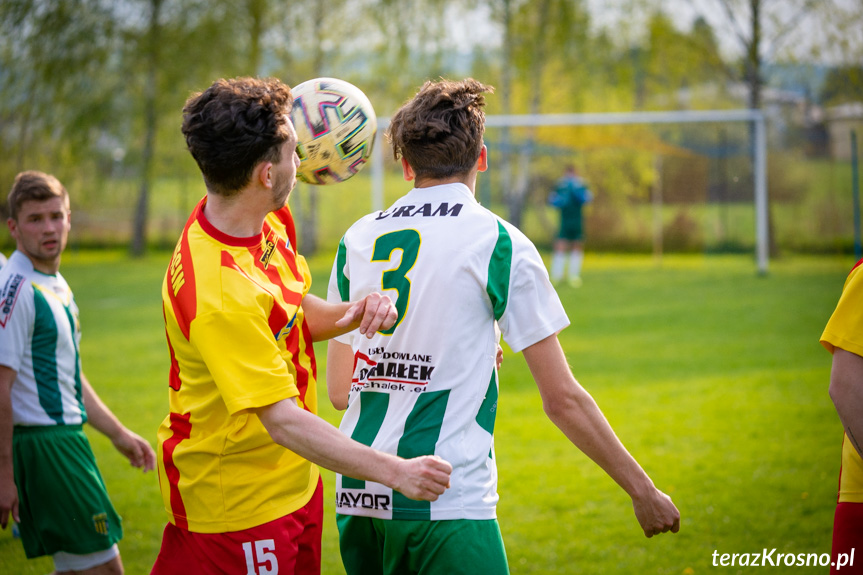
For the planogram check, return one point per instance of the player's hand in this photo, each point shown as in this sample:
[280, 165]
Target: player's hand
[136, 449]
[8, 502]
[499, 358]
[423, 478]
[375, 312]
[656, 513]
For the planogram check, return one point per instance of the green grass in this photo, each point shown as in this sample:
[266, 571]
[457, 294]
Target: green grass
[711, 375]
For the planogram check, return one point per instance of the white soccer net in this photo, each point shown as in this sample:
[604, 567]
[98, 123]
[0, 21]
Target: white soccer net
[681, 181]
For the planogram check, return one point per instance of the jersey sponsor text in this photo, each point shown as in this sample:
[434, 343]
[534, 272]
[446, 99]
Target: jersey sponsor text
[8, 295]
[425, 210]
[354, 498]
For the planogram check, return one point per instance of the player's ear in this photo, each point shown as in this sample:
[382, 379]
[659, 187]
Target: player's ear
[263, 173]
[407, 170]
[482, 162]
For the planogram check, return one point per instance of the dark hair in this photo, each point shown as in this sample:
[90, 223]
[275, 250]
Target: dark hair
[439, 131]
[233, 126]
[33, 186]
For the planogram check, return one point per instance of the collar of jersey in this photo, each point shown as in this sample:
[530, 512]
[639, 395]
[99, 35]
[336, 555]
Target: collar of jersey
[456, 187]
[210, 230]
[19, 259]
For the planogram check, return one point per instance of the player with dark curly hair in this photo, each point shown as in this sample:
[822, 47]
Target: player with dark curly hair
[238, 448]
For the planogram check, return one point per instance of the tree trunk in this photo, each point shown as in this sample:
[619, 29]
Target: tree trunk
[506, 104]
[518, 195]
[755, 82]
[142, 206]
[257, 12]
[308, 212]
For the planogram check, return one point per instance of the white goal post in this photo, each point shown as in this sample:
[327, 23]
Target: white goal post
[756, 117]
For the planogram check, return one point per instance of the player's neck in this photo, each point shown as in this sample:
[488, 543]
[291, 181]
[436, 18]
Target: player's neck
[49, 266]
[469, 181]
[235, 216]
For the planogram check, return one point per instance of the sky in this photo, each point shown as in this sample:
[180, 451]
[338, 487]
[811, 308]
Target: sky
[625, 19]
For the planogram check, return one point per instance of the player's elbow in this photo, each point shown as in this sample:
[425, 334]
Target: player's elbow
[338, 399]
[563, 406]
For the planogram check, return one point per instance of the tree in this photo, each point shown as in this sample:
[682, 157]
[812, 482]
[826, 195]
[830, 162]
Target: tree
[843, 84]
[53, 56]
[543, 45]
[153, 56]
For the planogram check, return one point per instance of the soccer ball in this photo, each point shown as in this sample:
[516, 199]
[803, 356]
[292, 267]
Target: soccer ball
[336, 126]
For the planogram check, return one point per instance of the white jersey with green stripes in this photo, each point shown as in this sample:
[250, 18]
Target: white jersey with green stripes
[39, 338]
[457, 273]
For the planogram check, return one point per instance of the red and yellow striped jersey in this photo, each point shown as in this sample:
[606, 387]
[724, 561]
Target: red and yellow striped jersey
[845, 330]
[238, 341]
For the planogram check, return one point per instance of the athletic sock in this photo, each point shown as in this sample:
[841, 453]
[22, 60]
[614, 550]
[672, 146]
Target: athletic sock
[558, 261]
[575, 260]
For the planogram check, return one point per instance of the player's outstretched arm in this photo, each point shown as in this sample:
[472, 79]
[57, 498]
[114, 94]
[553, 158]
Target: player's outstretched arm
[846, 391]
[572, 409]
[327, 320]
[422, 478]
[134, 447]
[8, 491]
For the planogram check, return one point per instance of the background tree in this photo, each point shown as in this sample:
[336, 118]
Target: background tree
[152, 56]
[54, 62]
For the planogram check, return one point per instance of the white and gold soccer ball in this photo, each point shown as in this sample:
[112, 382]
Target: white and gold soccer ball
[336, 126]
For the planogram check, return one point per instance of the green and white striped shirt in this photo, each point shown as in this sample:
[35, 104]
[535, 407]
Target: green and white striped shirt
[428, 385]
[39, 338]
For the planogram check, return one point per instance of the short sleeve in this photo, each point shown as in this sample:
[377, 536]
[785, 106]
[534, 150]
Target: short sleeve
[845, 327]
[339, 288]
[16, 319]
[533, 309]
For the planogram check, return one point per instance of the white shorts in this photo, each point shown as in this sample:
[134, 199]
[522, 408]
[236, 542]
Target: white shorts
[70, 562]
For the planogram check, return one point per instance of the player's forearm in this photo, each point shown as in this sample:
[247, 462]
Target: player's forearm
[8, 492]
[572, 409]
[314, 439]
[321, 317]
[846, 391]
[7, 467]
[580, 419]
[98, 414]
[6, 430]
[7, 378]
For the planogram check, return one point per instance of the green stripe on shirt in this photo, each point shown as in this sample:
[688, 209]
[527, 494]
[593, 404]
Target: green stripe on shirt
[343, 281]
[498, 272]
[374, 409]
[422, 431]
[44, 351]
[79, 391]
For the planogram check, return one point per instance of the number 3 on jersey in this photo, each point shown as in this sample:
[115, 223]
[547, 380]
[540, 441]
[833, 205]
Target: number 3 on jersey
[408, 241]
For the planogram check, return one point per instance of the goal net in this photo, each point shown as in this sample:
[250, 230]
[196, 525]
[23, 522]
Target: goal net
[661, 181]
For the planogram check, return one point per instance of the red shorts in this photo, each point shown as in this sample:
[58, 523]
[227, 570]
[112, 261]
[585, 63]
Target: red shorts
[289, 545]
[847, 539]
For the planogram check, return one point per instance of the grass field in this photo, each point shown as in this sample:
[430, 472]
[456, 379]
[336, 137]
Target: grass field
[711, 375]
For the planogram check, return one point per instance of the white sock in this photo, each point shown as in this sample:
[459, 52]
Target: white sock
[558, 260]
[575, 260]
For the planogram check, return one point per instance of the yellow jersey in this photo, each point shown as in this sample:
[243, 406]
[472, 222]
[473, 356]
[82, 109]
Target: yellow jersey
[238, 341]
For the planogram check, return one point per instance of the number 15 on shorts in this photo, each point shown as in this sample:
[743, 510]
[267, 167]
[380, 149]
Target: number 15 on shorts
[260, 559]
